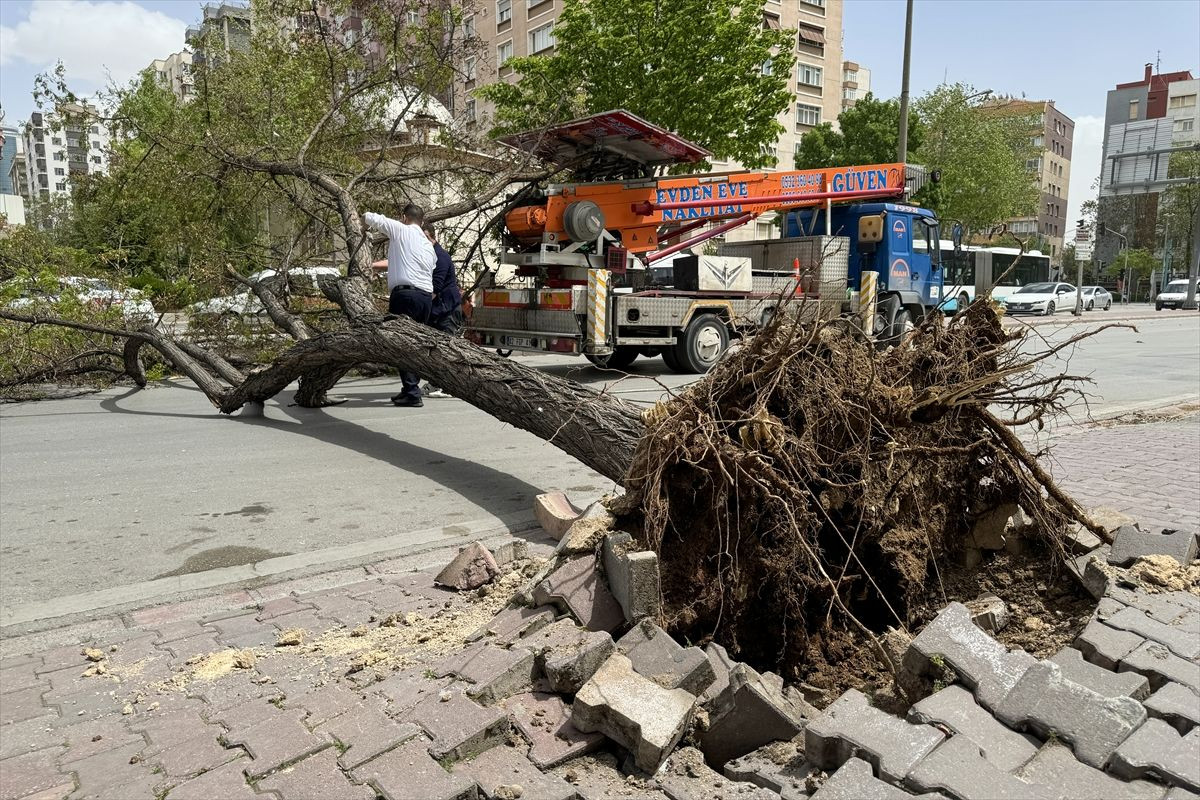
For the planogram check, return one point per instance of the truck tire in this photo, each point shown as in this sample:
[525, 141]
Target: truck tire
[900, 324]
[702, 343]
[964, 300]
[619, 358]
[669, 358]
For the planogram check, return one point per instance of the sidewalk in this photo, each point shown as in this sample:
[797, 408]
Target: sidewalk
[183, 701]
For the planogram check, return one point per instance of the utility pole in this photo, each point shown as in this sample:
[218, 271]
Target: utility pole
[1078, 276]
[1193, 268]
[902, 147]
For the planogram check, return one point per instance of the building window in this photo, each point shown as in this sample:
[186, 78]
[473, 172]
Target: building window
[61, 186]
[96, 129]
[470, 111]
[469, 69]
[770, 22]
[817, 3]
[59, 171]
[95, 144]
[56, 140]
[469, 27]
[1038, 141]
[1182, 101]
[808, 115]
[808, 75]
[1133, 109]
[541, 38]
[1185, 124]
[504, 51]
[95, 159]
[848, 94]
[503, 11]
[811, 35]
[768, 68]
[59, 155]
[413, 16]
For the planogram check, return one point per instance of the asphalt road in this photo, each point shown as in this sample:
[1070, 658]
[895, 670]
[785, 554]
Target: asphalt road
[124, 487]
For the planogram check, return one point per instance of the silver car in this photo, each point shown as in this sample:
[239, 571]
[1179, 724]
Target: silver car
[1096, 297]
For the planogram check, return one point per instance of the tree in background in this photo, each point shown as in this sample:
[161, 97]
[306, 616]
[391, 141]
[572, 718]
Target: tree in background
[869, 135]
[1180, 205]
[705, 69]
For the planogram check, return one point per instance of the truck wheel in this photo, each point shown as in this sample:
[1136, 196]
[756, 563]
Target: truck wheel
[668, 357]
[619, 358]
[901, 324]
[702, 343]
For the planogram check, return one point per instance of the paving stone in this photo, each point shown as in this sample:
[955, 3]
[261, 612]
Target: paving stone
[409, 772]
[60, 792]
[281, 606]
[405, 690]
[958, 767]
[494, 671]
[955, 709]
[1104, 645]
[685, 776]
[597, 777]
[567, 654]
[20, 738]
[22, 676]
[1047, 702]
[1102, 681]
[779, 766]
[511, 624]
[180, 629]
[719, 660]
[633, 577]
[748, 714]
[459, 727]
[1157, 749]
[276, 742]
[1182, 641]
[323, 703]
[198, 753]
[1130, 544]
[982, 663]
[23, 704]
[306, 621]
[506, 766]
[365, 732]
[58, 658]
[1166, 607]
[236, 692]
[171, 728]
[577, 585]
[1160, 665]
[555, 513]
[851, 726]
[545, 722]
[117, 774]
[345, 610]
[245, 630]
[193, 646]
[91, 703]
[1176, 704]
[1057, 769]
[511, 550]
[226, 782]
[989, 612]
[854, 780]
[633, 711]
[660, 658]
[315, 777]
[32, 772]
[87, 739]
[471, 568]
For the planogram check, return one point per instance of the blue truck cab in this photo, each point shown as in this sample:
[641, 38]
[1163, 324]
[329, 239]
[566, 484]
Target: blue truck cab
[899, 242]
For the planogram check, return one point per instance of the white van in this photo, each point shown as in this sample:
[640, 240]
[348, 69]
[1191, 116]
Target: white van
[1172, 295]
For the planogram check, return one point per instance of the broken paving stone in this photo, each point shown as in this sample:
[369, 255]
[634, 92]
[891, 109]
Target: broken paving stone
[633, 711]
[1046, 702]
[290, 637]
[721, 663]
[513, 623]
[958, 767]
[855, 780]
[1100, 680]
[1160, 665]
[505, 772]
[749, 713]
[660, 658]
[459, 727]
[1157, 749]
[982, 663]
[851, 726]
[988, 531]
[545, 721]
[989, 612]
[494, 671]
[1130, 544]
[471, 568]
[1181, 640]
[1176, 704]
[577, 585]
[955, 709]
[685, 776]
[555, 513]
[569, 655]
[1105, 646]
[778, 766]
[632, 576]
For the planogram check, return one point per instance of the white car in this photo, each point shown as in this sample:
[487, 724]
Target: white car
[247, 303]
[1096, 297]
[96, 293]
[1173, 295]
[1040, 298]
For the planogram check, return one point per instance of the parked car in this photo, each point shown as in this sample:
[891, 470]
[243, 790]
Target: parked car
[1096, 297]
[94, 292]
[1173, 295]
[1040, 298]
[247, 304]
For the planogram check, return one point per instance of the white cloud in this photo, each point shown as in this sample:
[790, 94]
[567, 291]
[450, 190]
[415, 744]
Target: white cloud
[94, 40]
[1087, 147]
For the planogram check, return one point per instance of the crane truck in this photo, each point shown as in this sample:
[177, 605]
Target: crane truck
[601, 267]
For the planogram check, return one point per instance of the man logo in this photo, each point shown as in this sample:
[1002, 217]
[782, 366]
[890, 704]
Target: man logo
[898, 227]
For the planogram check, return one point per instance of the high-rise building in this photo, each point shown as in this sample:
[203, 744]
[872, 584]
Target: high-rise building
[175, 73]
[9, 137]
[514, 28]
[224, 28]
[1143, 121]
[1052, 136]
[856, 83]
[59, 147]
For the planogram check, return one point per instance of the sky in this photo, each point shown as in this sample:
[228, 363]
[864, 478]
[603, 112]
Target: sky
[1068, 51]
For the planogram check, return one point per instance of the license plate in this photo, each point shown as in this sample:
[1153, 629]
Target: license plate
[517, 341]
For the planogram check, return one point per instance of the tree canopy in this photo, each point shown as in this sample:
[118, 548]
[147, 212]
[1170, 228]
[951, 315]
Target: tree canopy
[869, 134]
[707, 69]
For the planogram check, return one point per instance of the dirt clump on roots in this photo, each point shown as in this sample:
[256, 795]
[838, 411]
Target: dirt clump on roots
[813, 491]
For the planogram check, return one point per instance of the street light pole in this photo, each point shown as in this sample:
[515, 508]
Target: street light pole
[902, 146]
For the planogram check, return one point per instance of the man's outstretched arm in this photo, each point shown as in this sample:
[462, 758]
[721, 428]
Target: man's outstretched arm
[385, 225]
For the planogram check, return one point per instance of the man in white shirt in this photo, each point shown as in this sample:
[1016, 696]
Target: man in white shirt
[411, 260]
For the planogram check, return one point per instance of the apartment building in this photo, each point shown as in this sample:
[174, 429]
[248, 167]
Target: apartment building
[856, 83]
[224, 28]
[175, 73]
[9, 138]
[1051, 171]
[60, 147]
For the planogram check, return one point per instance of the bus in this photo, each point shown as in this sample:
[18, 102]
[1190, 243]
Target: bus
[960, 270]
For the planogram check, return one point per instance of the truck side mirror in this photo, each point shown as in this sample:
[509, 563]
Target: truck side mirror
[870, 229]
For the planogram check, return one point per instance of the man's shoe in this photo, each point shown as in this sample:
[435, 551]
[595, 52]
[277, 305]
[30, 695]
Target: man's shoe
[407, 402]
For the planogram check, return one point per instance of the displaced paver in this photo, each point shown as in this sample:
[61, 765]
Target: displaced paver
[1103, 681]
[1047, 702]
[494, 672]
[406, 689]
[1157, 749]
[471, 568]
[409, 772]
[1130, 544]
[365, 732]
[512, 624]
[569, 655]
[1104, 645]
[633, 577]
[1176, 704]
[632, 710]
[458, 725]
[555, 513]
[957, 767]
[1161, 666]
[778, 766]
[854, 780]
[276, 742]
[1183, 641]
[1067, 777]
[749, 713]
[955, 708]
[989, 612]
[982, 663]
[596, 777]
[545, 721]
[660, 658]
[851, 726]
[502, 766]
[685, 776]
[577, 585]
[719, 660]
[316, 776]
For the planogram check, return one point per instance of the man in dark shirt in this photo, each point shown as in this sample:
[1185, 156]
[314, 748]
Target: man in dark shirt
[446, 315]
